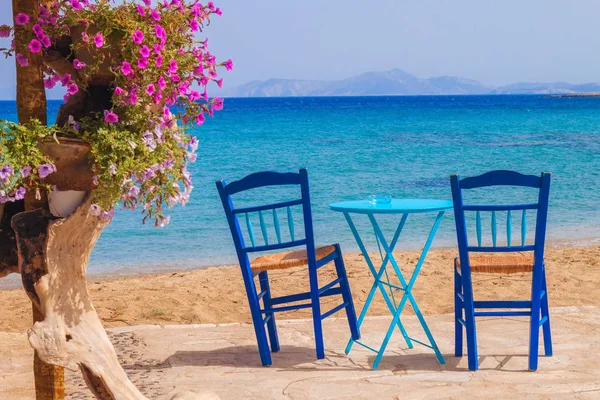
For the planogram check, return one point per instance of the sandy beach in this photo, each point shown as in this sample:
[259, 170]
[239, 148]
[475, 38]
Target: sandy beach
[216, 294]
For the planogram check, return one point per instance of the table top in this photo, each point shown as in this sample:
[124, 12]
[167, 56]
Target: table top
[396, 206]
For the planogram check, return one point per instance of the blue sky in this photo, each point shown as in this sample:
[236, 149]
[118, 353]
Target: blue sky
[496, 42]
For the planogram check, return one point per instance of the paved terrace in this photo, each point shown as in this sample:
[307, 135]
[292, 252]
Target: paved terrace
[224, 359]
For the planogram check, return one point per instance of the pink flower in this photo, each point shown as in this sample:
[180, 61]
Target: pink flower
[126, 69]
[85, 37]
[217, 104]
[158, 98]
[46, 41]
[22, 60]
[142, 63]
[119, 91]
[138, 37]
[110, 117]
[219, 82]
[147, 2]
[133, 98]
[72, 89]
[155, 15]
[141, 10]
[200, 118]
[99, 40]
[20, 193]
[194, 95]
[161, 82]
[159, 61]
[172, 67]
[145, 51]
[160, 32]
[5, 31]
[218, 11]
[65, 79]
[76, 5]
[194, 25]
[38, 30]
[150, 89]
[49, 83]
[228, 65]
[35, 46]
[22, 19]
[78, 64]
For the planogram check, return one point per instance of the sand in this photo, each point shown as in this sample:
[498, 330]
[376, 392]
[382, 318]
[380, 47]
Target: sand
[216, 294]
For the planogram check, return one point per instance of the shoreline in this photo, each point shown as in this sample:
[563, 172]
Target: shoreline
[134, 270]
[216, 294]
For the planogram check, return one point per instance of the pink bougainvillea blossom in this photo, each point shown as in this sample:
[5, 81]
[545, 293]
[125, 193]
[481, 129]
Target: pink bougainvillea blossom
[126, 69]
[110, 117]
[217, 104]
[200, 119]
[141, 10]
[99, 40]
[78, 64]
[35, 46]
[72, 89]
[22, 19]
[159, 61]
[5, 31]
[219, 82]
[65, 79]
[138, 37]
[155, 15]
[150, 89]
[194, 25]
[172, 67]
[118, 91]
[22, 60]
[49, 83]
[142, 63]
[228, 65]
[38, 30]
[145, 51]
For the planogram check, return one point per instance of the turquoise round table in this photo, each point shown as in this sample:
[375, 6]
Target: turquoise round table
[402, 207]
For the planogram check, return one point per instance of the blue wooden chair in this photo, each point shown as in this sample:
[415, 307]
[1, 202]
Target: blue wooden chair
[466, 264]
[310, 256]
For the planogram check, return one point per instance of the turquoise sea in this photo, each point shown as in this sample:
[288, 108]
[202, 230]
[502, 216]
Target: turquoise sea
[357, 146]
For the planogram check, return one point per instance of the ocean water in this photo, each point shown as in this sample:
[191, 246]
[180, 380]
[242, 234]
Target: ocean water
[357, 146]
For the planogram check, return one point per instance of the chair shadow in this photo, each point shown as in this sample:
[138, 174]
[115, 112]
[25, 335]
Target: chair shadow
[428, 362]
[288, 357]
[304, 359]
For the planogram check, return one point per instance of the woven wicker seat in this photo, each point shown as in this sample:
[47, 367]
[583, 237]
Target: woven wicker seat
[500, 264]
[288, 259]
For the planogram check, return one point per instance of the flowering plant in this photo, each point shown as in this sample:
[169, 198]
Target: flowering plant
[136, 77]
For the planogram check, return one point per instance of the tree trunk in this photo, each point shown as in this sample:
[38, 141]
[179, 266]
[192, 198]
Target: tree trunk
[31, 94]
[31, 104]
[53, 256]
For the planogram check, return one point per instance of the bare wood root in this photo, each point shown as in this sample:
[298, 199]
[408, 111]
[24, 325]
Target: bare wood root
[53, 256]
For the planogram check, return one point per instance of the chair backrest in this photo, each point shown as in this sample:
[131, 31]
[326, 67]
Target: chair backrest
[501, 178]
[242, 216]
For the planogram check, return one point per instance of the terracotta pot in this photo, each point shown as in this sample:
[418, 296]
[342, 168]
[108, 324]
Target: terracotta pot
[73, 164]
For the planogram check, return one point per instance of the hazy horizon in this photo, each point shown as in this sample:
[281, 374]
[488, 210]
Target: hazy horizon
[495, 43]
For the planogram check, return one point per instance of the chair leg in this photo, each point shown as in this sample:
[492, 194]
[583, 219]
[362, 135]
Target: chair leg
[458, 307]
[347, 295]
[316, 311]
[271, 325]
[546, 313]
[534, 328]
[470, 330]
[257, 321]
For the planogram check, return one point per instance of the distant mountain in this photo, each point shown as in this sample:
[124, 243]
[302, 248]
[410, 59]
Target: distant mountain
[398, 82]
[547, 88]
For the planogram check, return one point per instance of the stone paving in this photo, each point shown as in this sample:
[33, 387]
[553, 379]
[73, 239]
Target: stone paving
[223, 359]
